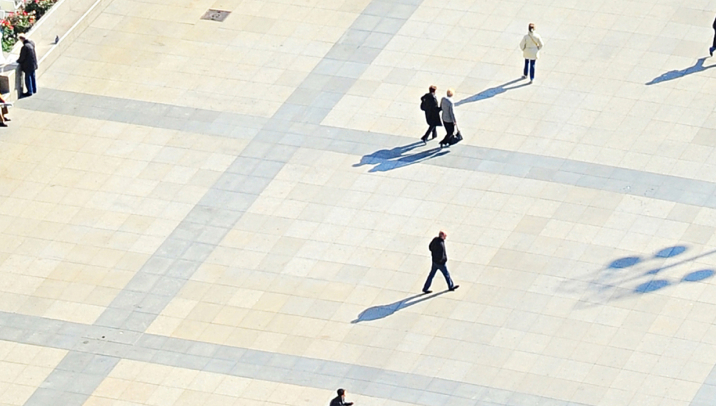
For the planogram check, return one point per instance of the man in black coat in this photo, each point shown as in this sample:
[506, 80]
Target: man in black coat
[713, 44]
[429, 104]
[28, 64]
[437, 250]
[340, 400]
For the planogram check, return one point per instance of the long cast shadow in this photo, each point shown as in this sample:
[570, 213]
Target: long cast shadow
[492, 92]
[382, 311]
[675, 74]
[389, 159]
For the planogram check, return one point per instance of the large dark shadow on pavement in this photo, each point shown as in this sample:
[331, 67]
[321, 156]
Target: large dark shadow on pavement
[493, 91]
[675, 74]
[389, 159]
[382, 311]
[637, 275]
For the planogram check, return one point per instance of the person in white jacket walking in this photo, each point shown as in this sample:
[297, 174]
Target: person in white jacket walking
[530, 46]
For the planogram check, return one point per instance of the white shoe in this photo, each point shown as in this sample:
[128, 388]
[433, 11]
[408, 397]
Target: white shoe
[531, 80]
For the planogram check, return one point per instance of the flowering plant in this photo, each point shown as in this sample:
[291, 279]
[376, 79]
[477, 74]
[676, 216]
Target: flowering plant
[39, 7]
[21, 21]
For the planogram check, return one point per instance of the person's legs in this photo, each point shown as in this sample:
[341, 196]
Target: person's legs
[33, 80]
[28, 83]
[446, 274]
[449, 128]
[435, 132]
[532, 69]
[713, 45]
[429, 281]
[527, 64]
[431, 129]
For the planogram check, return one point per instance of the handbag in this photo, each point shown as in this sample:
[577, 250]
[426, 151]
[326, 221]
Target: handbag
[457, 137]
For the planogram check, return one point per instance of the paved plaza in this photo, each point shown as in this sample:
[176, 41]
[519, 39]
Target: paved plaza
[202, 213]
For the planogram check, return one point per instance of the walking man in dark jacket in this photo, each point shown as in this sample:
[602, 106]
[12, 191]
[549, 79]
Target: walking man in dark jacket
[437, 250]
[340, 400]
[429, 104]
[28, 64]
[713, 44]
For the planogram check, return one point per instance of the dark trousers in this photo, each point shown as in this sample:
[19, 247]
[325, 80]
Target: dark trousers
[31, 82]
[450, 128]
[713, 45]
[431, 129]
[530, 65]
[433, 271]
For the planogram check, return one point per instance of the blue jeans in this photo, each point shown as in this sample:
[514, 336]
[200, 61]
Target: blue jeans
[530, 63]
[31, 82]
[433, 270]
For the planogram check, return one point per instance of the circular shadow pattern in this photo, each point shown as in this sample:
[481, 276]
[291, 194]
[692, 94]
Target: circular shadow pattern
[652, 286]
[670, 251]
[697, 276]
[624, 262]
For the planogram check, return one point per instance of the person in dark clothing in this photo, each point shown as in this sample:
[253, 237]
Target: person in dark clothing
[3, 111]
[439, 256]
[28, 65]
[429, 103]
[340, 400]
[713, 44]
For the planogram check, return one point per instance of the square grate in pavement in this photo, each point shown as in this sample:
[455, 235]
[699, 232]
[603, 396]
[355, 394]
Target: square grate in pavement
[215, 15]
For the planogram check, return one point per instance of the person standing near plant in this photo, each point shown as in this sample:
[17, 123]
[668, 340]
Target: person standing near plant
[530, 46]
[28, 65]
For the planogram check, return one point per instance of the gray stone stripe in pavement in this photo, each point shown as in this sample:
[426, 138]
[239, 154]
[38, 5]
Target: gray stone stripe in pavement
[706, 396]
[94, 351]
[190, 244]
[377, 155]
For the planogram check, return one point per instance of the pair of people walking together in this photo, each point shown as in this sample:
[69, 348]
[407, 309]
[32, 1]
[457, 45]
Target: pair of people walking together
[438, 114]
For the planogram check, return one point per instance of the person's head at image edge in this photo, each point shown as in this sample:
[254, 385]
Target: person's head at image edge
[341, 398]
[433, 89]
[531, 27]
[442, 234]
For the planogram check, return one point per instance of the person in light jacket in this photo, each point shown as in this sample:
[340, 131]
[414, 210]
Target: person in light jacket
[449, 120]
[530, 46]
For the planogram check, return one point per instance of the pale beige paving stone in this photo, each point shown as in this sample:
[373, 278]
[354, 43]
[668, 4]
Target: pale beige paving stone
[89, 239]
[24, 368]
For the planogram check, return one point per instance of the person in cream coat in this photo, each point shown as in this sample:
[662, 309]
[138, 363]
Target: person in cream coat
[530, 46]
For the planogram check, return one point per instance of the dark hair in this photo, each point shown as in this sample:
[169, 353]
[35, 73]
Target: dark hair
[341, 392]
[531, 27]
[433, 88]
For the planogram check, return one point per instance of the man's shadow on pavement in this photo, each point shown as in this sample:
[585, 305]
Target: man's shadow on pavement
[382, 311]
[675, 74]
[388, 159]
[493, 91]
